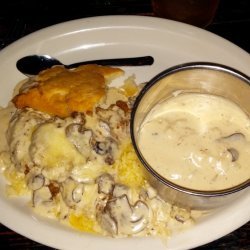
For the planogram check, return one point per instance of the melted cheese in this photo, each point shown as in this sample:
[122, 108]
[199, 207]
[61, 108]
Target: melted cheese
[51, 149]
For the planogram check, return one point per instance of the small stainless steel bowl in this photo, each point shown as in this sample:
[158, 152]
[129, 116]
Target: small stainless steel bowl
[199, 77]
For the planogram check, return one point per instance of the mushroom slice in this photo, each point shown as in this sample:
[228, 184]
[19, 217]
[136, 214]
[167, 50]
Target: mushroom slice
[19, 134]
[101, 148]
[104, 147]
[109, 159]
[234, 137]
[107, 148]
[113, 115]
[41, 196]
[104, 128]
[107, 223]
[139, 217]
[77, 193]
[105, 183]
[72, 192]
[104, 114]
[120, 190]
[80, 137]
[234, 153]
[129, 219]
[116, 118]
[36, 181]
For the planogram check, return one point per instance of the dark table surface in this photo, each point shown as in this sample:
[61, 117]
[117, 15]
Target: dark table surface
[21, 17]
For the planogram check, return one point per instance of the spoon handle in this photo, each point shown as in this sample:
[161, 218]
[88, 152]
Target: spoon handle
[132, 61]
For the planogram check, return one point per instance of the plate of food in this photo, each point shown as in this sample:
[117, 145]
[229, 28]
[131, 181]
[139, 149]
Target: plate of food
[70, 178]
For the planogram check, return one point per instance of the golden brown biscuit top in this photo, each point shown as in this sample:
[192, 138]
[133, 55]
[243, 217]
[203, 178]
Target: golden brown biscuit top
[61, 92]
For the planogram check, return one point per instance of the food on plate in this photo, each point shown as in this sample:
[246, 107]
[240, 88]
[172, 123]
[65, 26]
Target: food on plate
[68, 148]
[202, 151]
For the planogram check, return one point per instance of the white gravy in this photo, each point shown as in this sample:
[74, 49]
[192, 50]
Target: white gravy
[198, 141]
[5, 115]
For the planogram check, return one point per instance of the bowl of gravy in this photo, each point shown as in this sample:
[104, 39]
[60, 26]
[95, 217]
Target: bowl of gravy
[190, 127]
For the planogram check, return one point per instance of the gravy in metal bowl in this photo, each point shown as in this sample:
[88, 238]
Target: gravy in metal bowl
[198, 141]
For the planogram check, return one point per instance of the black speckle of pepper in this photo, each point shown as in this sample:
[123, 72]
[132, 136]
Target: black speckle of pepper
[155, 133]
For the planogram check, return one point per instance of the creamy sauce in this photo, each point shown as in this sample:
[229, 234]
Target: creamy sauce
[198, 141]
[5, 115]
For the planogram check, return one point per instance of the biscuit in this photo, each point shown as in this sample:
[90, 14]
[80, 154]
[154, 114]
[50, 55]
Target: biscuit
[60, 91]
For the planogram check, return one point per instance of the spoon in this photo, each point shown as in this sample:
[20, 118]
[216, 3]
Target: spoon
[33, 64]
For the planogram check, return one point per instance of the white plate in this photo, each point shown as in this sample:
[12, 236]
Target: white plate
[170, 43]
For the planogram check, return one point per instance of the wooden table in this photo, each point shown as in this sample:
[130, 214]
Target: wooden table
[19, 18]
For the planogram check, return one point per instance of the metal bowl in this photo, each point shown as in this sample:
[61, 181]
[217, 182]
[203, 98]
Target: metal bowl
[198, 77]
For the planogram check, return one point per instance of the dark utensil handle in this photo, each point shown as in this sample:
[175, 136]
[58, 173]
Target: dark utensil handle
[132, 61]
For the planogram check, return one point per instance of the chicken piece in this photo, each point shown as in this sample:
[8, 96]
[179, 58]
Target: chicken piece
[61, 92]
